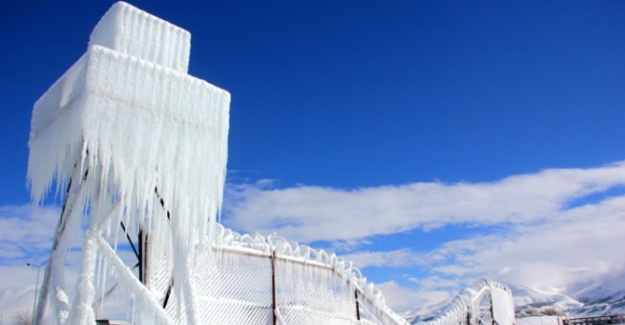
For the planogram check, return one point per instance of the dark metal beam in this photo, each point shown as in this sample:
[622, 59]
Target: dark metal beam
[357, 305]
[273, 287]
[134, 249]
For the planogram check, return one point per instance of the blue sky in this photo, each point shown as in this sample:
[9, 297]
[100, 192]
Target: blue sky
[418, 134]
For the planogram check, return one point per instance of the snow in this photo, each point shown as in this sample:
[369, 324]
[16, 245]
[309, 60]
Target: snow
[526, 298]
[604, 296]
[539, 320]
[610, 285]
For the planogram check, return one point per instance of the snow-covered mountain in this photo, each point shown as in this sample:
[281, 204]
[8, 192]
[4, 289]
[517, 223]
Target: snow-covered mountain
[424, 313]
[599, 297]
[611, 304]
[528, 301]
[600, 289]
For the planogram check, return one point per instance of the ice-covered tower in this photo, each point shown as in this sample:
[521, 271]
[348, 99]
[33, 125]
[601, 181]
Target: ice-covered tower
[136, 144]
[139, 148]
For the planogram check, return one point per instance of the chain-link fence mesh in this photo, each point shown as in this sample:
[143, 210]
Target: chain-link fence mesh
[237, 279]
[256, 280]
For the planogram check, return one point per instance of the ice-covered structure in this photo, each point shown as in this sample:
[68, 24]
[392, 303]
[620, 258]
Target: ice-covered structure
[485, 303]
[140, 143]
[139, 148]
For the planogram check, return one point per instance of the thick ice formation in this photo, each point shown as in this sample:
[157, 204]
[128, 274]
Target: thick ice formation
[135, 136]
[503, 304]
[140, 125]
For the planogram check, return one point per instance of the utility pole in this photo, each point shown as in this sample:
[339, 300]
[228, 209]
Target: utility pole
[36, 285]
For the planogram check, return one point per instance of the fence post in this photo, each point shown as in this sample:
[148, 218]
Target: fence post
[273, 286]
[492, 309]
[357, 304]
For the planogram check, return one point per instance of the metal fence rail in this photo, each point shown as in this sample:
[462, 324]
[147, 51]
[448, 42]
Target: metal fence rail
[596, 320]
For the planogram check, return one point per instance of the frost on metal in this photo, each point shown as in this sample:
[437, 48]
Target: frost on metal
[486, 302]
[138, 149]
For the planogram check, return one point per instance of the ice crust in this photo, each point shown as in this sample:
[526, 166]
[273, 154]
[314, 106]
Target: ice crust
[503, 305]
[131, 31]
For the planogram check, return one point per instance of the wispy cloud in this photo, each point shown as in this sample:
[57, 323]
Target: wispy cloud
[26, 231]
[26, 234]
[406, 301]
[395, 258]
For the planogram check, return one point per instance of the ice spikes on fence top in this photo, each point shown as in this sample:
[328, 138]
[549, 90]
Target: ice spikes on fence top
[129, 30]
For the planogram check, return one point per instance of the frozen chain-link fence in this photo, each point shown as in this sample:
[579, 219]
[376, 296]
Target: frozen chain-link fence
[485, 303]
[252, 280]
[240, 279]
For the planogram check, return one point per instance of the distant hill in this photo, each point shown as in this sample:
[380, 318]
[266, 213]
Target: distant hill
[595, 298]
[529, 301]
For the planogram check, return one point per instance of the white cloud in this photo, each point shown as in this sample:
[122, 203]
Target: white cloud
[406, 301]
[311, 213]
[575, 245]
[395, 258]
[545, 230]
[25, 231]
[435, 283]
[26, 234]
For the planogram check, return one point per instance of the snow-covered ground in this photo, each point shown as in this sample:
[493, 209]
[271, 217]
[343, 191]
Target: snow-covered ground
[601, 297]
[539, 320]
[529, 299]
